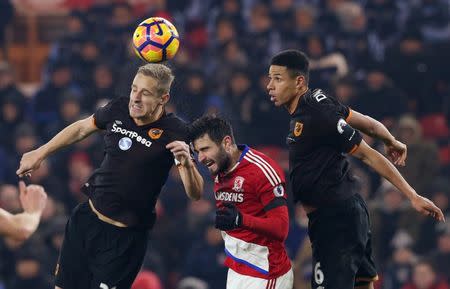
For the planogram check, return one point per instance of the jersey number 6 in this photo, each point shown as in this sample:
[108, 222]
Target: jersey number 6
[318, 274]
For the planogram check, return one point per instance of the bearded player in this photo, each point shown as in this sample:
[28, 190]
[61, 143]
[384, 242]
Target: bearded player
[249, 188]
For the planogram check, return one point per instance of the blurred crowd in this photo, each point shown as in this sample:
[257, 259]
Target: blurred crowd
[387, 59]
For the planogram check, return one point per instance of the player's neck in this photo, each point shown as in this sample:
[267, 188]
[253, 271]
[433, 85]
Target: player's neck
[292, 105]
[235, 156]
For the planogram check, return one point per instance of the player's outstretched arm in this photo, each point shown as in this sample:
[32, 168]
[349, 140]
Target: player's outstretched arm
[396, 151]
[382, 166]
[21, 226]
[191, 178]
[73, 133]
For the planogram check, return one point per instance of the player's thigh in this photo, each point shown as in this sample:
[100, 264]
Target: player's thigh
[367, 272]
[338, 236]
[236, 280]
[333, 272]
[116, 256]
[70, 271]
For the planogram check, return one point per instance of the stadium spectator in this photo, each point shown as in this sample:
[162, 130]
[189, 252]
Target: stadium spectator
[6, 15]
[425, 277]
[423, 159]
[378, 90]
[441, 256]
[391, 217]
[398, 270]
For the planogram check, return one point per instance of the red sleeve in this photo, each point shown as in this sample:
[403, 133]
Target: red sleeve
[274, 226]
[270, 182]
[270, 189]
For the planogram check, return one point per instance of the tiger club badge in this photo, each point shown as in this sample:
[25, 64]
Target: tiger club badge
[155, 133]
[298, 128]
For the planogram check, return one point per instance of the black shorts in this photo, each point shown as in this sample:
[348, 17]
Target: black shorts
[341, 243]
[95, 254]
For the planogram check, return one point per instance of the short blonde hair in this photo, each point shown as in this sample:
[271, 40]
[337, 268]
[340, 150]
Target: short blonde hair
[161, 73]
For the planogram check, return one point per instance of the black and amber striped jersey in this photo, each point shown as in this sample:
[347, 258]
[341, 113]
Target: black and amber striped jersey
[318, 139]
[136, 163]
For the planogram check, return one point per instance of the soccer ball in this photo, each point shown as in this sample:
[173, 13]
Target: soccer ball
[156, 40]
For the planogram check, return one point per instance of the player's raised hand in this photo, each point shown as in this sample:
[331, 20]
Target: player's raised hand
[30, 161]
[396, 152]
[427, 208]
[32, 198]
[181, 152]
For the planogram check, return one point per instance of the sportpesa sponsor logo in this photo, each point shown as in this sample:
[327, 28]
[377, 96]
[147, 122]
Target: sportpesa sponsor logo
[131, 134]
[229, 197]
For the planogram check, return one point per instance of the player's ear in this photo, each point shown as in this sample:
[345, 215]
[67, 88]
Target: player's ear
[227, 142]
[164, 99]
[300, 80]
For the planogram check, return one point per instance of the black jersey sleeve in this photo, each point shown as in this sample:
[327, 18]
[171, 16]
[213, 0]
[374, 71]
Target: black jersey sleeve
[184, 136]
[104, 114]
[180, 130]
[333, 117]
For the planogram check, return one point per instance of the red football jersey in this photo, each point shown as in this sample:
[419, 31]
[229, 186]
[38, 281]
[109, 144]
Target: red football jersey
[251, 185]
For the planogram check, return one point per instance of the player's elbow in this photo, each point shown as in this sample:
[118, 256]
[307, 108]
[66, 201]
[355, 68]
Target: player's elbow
[368, 155]
[360, 154]
[284, 231]
[372, 126]
[85, 127]
[282, 227]
[281, 235]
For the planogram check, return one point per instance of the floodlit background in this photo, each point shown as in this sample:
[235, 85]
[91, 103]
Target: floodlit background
[60, 59]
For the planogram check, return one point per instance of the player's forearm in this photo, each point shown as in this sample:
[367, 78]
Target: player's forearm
[371, 127]
[69, 135]
[386, 169]
[382, 133]
[377, 130]
[192, 181]
[19, 226]
[27, 224]
[274, 226]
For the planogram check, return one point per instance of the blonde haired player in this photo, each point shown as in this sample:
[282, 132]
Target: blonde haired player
[106, 237]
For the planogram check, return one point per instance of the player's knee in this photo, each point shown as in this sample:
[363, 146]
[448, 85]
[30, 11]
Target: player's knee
[56, 287]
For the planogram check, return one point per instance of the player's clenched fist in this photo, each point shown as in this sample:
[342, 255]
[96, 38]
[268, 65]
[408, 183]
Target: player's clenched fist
[228, 218]
[30, 161]
[181, 152]
[32, 197]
